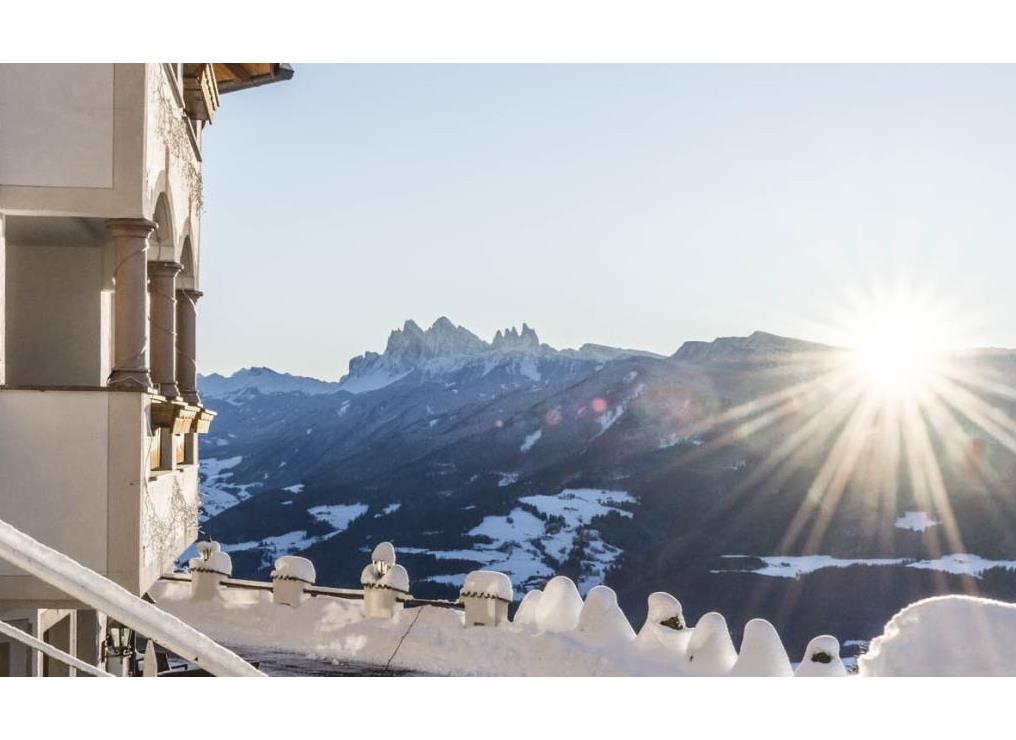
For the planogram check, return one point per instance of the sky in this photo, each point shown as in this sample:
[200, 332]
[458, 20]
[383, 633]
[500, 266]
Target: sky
[635, 206]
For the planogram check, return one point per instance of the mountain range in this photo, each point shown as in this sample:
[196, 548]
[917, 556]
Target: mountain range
[696, 473]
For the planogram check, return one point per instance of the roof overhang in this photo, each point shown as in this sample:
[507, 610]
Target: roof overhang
[230, 77]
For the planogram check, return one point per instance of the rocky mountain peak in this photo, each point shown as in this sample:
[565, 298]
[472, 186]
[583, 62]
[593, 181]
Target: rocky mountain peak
[512, 339]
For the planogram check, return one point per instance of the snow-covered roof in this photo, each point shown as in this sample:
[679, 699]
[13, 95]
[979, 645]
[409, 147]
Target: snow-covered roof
[488, 584]
[293, 567]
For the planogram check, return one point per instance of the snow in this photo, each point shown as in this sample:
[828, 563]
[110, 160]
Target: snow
[655, 635]
[601, 621]
[607, 420]
[762, 652]
[526, 613]
[559, 608]
[963, 564]
[384, 552]
[529, 547]
[283, 544]
[396, 578]
[788, 566]
[507, 479]
[296, 568]
[945, 636]
[217, 493]
[338, 516]
[424, 639]
[531, 439]
[795, 566]
[390, 509]
[710, 649]
[371, 381]
[211, 559]
[295, 488]
[822, 659]
[916, 521]
[488, 583]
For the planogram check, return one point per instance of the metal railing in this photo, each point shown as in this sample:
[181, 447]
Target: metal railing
[50, 650]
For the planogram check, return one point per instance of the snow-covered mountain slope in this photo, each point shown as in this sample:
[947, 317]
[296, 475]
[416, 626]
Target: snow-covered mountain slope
[473, 454]
[445, 348]
[261, 380]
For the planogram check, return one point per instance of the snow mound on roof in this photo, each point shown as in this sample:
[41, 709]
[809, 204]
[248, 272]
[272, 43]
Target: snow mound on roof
[216, 562]
[396, 578]
[294, 567]
[560, 606]
[822, 659]
[710, 650]
[206, 548]
[211, 558]
[384, 553]
[664, 627]
[526, 613]
[946, 636]
[601, 620]
[762, 652]
[488, 583]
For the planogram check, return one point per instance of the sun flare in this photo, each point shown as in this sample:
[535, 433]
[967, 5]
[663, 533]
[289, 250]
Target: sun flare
[897, 351]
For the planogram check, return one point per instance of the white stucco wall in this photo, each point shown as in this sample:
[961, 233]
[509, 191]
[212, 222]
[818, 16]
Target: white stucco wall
[57, 319]
[53, 458]
[57, 125]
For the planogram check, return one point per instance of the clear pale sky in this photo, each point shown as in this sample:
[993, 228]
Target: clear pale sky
[637, 206]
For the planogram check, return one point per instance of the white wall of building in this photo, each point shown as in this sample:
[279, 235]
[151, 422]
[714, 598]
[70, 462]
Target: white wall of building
[57, 319]
[58, 125]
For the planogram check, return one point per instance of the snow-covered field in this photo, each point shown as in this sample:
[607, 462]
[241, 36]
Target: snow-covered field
[530, 546]
[217, 493]
[795, 566]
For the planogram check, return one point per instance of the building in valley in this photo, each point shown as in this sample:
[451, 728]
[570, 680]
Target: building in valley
[100, 243]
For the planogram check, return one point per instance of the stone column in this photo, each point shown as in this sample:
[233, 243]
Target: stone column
[130, 297]
[186, 344]
[162, 287]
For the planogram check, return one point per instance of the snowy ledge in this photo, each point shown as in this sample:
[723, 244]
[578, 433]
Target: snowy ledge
[555, 633]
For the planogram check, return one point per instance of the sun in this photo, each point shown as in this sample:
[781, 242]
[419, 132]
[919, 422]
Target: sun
[896, 351]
